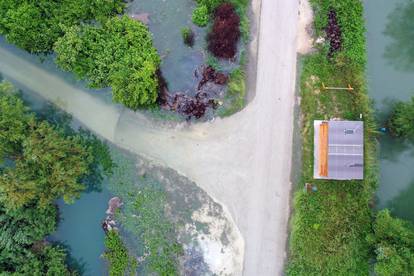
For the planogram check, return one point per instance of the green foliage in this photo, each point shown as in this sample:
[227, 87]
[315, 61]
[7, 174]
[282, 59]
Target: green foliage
[201, 16]
[143, 216]
[50, 167]
[188, 36]
[351, 21]
[117, 255]
[393, 240]
[36, 25]
[330, 226]
[235, 98]
[13, 120]
[157, 232]
[45, 163]
[401, 122]
[119, 54]
[49, 261]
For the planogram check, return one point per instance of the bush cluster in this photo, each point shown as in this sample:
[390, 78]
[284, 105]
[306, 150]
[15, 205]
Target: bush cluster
[201, 16]
[36, 25]
[119, 54]
[401, 122]
[39, 163]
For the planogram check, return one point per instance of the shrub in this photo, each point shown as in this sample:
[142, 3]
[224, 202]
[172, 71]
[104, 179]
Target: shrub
[116, 254]
[188, 36]
[36, 25]
[119, 54]
[401, 122]
[223, 39]
[393, 242]
[201, 16]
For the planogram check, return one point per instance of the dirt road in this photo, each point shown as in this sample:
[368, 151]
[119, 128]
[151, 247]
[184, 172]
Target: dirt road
[242, 161]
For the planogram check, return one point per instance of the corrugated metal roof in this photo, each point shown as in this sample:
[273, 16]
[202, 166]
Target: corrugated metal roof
[345, 150]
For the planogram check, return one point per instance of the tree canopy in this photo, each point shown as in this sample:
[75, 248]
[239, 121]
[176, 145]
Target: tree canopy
[119, 54]
[39, 164]
[401, 122]
[36, 25]
[393, 240]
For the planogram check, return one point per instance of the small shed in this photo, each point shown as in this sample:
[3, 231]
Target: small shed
[338, 150]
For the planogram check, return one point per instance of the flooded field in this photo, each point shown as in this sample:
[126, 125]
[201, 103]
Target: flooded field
[389, 24]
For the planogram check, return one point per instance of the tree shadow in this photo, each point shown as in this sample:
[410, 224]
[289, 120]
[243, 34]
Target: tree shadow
[78, 265]
[400, 26]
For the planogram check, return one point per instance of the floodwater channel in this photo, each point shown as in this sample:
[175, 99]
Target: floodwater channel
[390, 79]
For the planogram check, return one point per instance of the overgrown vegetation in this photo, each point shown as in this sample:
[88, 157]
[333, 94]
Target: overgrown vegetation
[36, 25]
[39, 163]
[235, 98]
[393, 243]
[401, 122]
[117, 255]
[144, 217]
[330, 226]
[119, 54]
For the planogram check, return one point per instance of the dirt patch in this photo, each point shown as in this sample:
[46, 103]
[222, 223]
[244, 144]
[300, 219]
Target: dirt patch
[305, 29]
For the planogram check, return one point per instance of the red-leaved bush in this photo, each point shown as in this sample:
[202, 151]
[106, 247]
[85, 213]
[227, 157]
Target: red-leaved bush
[223, 39]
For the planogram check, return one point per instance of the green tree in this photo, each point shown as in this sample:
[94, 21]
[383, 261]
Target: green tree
[117, 255]
[50, 167]
[401, 122]
[36, 25]
[13, 120]
[393, 241]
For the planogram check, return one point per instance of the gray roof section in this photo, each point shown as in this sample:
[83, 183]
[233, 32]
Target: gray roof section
[345, 152]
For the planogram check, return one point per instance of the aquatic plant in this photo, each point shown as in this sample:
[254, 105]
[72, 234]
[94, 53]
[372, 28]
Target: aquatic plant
[188, 36]
[45, 162]
[120, 262]
[93, 53]
[201, 16]
[225, 34]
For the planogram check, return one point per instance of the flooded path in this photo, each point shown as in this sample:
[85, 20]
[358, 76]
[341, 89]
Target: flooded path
[389, 80]
[243, 162]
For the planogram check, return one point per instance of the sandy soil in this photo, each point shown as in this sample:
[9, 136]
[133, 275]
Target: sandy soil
[243, 162]
[305, 40]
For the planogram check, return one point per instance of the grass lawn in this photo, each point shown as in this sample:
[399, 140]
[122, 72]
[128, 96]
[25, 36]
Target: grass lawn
[330, 226]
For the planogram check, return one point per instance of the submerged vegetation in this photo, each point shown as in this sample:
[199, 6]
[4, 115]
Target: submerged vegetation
[39, 163]
[144, 219]
[117, 255]
[36, 25]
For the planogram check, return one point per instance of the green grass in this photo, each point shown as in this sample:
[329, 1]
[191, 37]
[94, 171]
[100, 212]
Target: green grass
[235, 98]
[330, 226]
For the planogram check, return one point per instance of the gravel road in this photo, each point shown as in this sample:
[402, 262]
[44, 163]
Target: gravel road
[243, 162]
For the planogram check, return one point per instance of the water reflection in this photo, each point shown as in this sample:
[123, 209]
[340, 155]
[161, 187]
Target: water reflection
[400, 26]
[403, 204]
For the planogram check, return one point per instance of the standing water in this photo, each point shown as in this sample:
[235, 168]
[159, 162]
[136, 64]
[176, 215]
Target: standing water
[390, 79]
